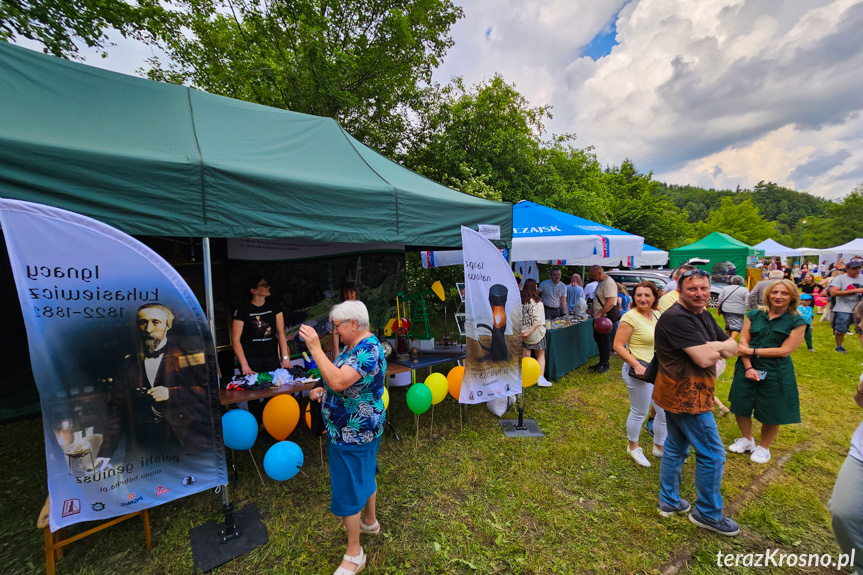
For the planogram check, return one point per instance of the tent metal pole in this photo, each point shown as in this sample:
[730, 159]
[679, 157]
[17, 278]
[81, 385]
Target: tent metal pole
[229, 530]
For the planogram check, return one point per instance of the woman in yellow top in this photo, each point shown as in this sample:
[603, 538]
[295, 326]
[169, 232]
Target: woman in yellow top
[634, 343]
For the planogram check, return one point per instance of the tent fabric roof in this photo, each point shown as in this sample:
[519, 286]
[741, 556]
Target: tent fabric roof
[852, 248]
[160, 159]
[543, 233]
[715, 247]
[651, 256]
[774, 248]
[715, 241]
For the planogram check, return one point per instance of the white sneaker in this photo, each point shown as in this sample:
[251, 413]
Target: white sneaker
[638, 455]
[760, 454]
[656, 451]
[542, 382]
[742, 445]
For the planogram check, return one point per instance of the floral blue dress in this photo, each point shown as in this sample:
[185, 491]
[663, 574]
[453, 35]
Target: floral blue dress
[356, 415]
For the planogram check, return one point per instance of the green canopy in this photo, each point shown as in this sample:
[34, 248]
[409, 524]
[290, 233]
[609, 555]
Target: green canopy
[716, 247]
[159, 159]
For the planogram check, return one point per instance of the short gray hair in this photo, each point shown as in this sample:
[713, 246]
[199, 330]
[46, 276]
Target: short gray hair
[775, 275]
[351, 309]
[737, 281]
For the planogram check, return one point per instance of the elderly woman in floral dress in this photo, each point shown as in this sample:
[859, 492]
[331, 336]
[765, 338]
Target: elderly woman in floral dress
[354, 416]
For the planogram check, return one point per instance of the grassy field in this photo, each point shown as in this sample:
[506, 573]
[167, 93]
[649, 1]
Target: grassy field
[471, 501]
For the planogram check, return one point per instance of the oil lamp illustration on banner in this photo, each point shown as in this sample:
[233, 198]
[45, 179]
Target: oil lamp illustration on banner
[498, 350]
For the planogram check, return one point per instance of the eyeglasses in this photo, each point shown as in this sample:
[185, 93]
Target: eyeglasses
[691, 273]
[337, 324]
[263, 285]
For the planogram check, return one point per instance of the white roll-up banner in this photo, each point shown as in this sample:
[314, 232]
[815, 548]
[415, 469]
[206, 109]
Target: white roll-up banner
[492, 366]
[124, 363]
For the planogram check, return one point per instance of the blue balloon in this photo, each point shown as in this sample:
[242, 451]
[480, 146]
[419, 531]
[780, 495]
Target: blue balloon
[283, 460]
[239, 429]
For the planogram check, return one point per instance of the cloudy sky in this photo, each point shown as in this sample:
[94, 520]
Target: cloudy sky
[716, 93]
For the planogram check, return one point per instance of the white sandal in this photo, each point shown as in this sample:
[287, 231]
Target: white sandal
[358, 560]
[373, 529]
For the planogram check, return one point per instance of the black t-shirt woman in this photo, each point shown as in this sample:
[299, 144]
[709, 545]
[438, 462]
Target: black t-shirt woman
[258, 326]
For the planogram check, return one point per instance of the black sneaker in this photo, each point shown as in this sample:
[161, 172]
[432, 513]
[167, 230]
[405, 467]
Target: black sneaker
[601, 369]
[724, 526]
[595, 366]
[667, 510]
[841, 349]
[649, 426]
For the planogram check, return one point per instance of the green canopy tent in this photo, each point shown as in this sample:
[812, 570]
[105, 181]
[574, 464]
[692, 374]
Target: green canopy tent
[159, 159]
[716, 247]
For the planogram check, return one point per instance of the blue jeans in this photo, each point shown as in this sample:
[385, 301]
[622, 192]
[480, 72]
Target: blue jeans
[700, 432]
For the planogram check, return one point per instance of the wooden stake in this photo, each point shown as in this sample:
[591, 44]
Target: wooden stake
[431, 429]
[256, 468]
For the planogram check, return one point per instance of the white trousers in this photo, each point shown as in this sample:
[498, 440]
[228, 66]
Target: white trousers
[640, 399]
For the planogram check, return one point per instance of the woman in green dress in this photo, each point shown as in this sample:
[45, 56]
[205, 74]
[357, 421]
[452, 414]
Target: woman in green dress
[764, 380]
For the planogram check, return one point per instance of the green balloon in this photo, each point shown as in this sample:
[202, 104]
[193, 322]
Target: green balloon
[419, 398]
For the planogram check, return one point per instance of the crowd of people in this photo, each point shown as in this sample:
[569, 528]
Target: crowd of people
[673, 353]
[672, 349]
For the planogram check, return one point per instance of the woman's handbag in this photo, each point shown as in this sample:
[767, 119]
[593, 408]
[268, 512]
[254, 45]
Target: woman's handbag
[632, 371]
[652, 370]
[315, 414]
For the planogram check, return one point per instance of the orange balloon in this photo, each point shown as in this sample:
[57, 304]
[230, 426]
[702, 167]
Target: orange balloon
[453, 380]
[281, 416]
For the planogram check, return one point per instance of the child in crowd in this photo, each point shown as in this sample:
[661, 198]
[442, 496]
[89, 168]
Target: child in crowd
[807, 312]
[625, 299]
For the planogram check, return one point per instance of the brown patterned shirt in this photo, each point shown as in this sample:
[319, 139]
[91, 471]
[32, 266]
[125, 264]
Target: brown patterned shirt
[681, 386]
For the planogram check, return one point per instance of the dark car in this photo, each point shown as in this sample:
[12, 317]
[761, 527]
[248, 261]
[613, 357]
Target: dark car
[661, 278]
[632, 278]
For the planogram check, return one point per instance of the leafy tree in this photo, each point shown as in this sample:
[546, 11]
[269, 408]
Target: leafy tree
[639, 207]
[362, 62]
[491, 134]
[847, 218]
[58, 24]
[740, 220]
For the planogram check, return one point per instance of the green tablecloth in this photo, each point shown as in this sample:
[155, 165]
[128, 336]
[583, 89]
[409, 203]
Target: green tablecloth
[567, 348]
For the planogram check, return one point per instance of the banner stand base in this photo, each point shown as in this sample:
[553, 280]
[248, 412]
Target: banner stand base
[511, 428]
[520, 427]
[209, 550]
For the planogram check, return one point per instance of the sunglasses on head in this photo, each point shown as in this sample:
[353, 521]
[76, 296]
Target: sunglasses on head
[691, 273]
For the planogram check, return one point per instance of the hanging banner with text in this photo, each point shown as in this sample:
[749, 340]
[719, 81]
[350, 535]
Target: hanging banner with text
[492, 368]
[124, 362]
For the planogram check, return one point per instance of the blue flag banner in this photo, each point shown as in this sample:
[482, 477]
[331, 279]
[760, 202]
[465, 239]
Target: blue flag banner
[124, 362]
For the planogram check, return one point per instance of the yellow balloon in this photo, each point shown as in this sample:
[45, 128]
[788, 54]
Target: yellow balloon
[437, 383]
[453, 379]
[386, 398]
[529, 371]
[281, 416]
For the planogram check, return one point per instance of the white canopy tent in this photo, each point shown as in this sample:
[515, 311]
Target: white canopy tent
[849, 250]
[773, 248]
[845, 251]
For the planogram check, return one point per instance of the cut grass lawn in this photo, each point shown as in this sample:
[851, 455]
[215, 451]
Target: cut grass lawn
[472, 501]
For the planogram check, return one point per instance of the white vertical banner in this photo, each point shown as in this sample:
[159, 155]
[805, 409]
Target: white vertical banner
[124, 362]
[492, 367]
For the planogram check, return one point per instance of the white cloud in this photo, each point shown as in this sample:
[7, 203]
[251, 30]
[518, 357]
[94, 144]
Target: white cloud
[714, 92]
